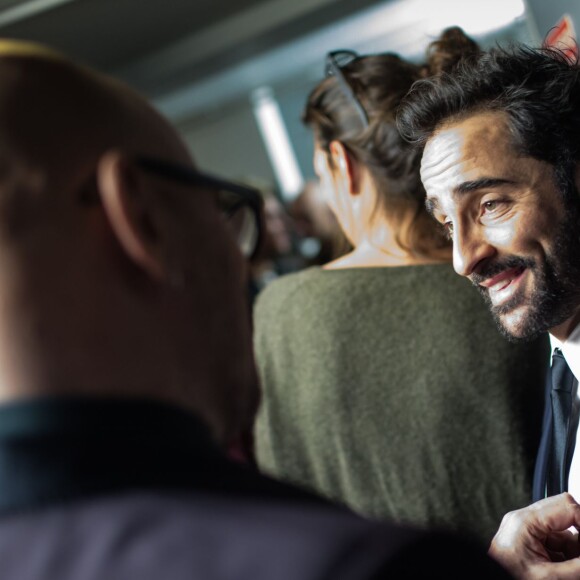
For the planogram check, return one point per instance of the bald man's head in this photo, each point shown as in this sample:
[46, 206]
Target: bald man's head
[43, 95]
[113, 281]
[57, 118]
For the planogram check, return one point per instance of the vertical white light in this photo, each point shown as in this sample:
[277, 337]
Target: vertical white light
[277, 142]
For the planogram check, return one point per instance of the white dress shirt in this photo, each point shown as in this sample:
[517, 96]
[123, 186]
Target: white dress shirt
[571, 350]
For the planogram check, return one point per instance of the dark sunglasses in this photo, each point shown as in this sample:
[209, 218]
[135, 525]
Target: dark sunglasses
[335, 61]
[240, 205]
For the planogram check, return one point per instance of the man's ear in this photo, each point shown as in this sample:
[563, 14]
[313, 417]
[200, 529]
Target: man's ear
[128, 204]
[346, 165]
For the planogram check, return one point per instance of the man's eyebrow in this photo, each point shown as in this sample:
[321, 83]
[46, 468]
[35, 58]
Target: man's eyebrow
[482, 183]
[432, 204]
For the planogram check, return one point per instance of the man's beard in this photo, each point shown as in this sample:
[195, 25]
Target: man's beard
[555, 295]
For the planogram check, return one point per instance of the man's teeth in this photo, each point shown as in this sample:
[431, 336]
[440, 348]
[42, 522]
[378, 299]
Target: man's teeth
[504, 282]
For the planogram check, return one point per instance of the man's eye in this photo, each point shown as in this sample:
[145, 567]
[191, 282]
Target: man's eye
[491, 206]
[495, 209]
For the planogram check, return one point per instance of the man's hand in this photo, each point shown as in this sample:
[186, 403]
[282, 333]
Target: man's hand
[534, 543]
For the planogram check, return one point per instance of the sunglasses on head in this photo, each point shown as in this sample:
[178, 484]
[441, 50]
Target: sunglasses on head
[336, 60]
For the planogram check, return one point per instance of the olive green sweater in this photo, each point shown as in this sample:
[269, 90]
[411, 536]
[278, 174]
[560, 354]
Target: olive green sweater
[391, 390]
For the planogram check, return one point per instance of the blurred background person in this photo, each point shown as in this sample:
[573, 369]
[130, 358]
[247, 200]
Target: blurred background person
[276, 254]
[301, 234]
[320, 238]
[386, 384]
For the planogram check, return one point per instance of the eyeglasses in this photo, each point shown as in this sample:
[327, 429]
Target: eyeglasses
[240, 205]
[335, 61]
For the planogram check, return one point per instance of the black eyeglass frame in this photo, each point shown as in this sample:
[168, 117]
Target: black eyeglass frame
[333, 68]
[189, 176]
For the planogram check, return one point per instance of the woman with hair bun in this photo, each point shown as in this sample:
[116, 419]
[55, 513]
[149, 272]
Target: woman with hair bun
[386, 385]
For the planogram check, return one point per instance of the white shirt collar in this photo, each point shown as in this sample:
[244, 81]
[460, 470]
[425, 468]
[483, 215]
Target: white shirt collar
[570, 349]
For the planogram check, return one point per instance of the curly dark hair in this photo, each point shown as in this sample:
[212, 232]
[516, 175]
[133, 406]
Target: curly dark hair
[379, 83]
[537, 88]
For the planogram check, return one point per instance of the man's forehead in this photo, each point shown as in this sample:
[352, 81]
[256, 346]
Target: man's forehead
[441, 152]
[468, 138]
[463, 151]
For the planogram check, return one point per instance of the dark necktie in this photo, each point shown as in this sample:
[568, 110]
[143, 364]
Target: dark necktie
[562, 383]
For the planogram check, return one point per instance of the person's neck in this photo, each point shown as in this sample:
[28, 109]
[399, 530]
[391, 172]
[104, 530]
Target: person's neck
[370, 255]
[104, 371]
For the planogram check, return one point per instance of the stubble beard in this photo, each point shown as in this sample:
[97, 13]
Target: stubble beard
[555, 295]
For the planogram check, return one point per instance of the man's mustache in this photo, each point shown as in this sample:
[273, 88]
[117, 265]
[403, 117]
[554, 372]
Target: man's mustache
[488, 270]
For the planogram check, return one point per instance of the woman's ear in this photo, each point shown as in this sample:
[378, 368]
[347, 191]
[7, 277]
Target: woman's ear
[346, 166]
[129, 206]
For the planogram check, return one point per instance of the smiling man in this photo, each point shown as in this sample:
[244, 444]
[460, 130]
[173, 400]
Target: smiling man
[514, 236]
[501, 139]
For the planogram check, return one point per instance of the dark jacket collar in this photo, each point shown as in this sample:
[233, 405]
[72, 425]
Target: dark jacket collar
[63, 449]
[48, 416]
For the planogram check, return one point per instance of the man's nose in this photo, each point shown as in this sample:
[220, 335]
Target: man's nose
[470, 249]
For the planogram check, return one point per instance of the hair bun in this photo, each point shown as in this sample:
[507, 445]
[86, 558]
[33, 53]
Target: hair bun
[452, 46]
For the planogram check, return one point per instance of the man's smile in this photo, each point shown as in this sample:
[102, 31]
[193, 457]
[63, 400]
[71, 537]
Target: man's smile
[504, 285]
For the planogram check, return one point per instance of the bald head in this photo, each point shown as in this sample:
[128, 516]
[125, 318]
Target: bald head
[44, 96]
[57, 118]
[112, 282]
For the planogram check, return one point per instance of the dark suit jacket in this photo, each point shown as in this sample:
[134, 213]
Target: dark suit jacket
[136, 490]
